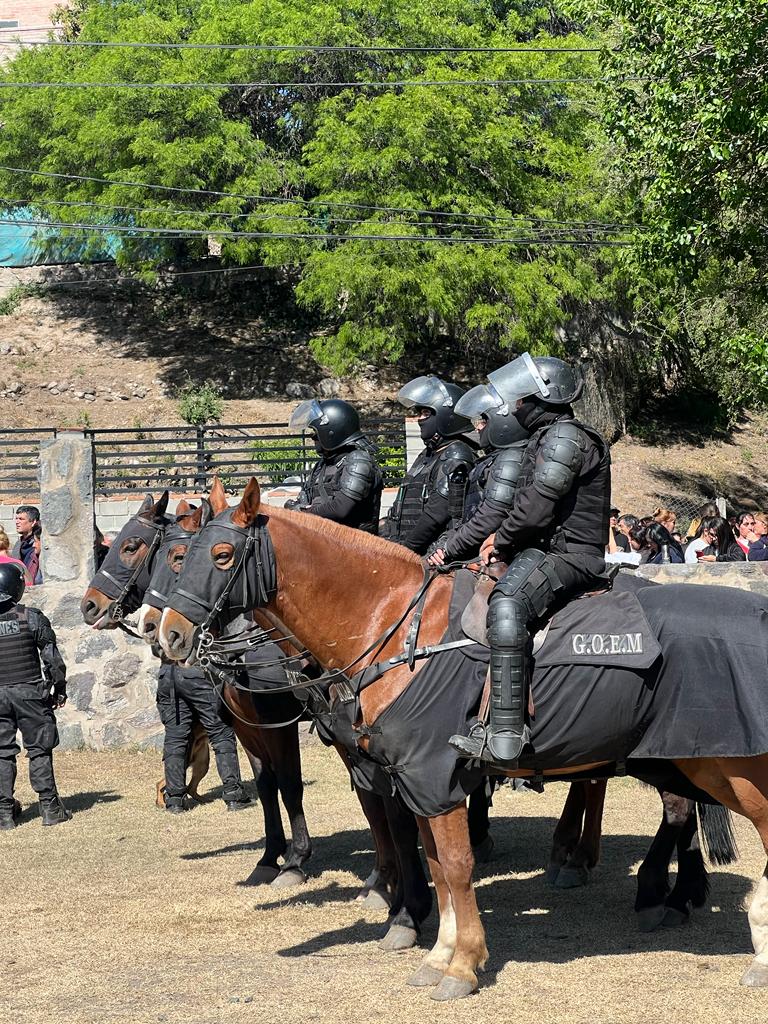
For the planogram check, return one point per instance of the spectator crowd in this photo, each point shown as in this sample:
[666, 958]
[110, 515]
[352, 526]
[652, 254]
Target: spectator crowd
[709, 538]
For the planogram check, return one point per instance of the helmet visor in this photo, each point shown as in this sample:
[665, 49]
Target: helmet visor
[307, 414]
[518, 379]
[476, 403]
[425, 392]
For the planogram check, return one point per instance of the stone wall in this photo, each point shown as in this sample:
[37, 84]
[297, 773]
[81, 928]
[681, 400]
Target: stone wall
[742, 575]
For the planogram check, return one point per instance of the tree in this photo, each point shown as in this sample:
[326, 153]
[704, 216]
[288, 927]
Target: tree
[451, 162]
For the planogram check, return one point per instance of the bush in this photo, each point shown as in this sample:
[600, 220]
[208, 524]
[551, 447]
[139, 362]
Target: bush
[200, 403]
[279, 458]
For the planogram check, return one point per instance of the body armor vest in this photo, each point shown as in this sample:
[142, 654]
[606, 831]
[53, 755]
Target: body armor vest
[476, 484]
[413, 495]
[19, 657]
[583, 513]
[325, 481]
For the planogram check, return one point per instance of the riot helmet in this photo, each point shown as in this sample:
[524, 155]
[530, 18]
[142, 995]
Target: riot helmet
[334, 423]
[440, 397]
[11, 585]
[544, 379]
[497, 430]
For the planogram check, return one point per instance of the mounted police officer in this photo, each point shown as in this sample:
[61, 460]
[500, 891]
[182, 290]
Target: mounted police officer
[431, 496]
[492, 481]
[553, 537]
[33, 681]
[345, 483]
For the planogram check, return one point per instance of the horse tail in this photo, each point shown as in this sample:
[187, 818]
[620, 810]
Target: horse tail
[717, 837]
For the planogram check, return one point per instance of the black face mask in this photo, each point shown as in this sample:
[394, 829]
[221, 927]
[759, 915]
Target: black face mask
[533, 413]
[428, 427]
[318, 447]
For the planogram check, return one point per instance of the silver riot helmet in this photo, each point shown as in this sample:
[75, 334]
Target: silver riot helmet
[496, 429]
[545, 378]
[334, 423]
[430, 392]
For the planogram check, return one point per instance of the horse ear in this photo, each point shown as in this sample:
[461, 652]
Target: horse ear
[147, 504]
[183, 508]
[192, 521]
[206, 512]
[248, 509]
[217, 497]
[161, 506]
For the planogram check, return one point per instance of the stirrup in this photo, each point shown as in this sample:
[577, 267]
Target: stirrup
[472, 745]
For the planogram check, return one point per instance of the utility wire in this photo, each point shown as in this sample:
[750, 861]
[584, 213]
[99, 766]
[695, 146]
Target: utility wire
[305, 48]
[572, 227]
[412, 83]
[493, 218]
[141, 231]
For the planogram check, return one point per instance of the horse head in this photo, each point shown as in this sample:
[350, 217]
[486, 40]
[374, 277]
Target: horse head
[218, 578]
[122, 578]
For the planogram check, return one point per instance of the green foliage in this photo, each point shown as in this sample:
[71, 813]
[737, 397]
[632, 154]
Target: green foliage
[278, 458]
[198, 404]
[11, 301]
[498, 151]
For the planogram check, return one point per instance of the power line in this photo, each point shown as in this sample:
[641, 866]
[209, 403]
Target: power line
[412, 83]
[306, 48]
[493, 218]
[571, 226]
[149, 232]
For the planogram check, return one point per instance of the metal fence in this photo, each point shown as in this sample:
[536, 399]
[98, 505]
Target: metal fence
[126, 461]
[19, 457]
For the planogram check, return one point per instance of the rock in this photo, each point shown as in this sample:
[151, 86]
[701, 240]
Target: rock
[113, 736]
[92, 645]
[80, 690]
[67, 613]
[79, 394]
[5, 350]
[54, 391]
[328, 387]
[14, 389]
[71, 736]
[58, 512]
[153, 742]
[295, 390]
[120, 671]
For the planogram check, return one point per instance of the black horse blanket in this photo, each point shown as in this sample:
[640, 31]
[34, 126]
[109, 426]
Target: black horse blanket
[698, 687]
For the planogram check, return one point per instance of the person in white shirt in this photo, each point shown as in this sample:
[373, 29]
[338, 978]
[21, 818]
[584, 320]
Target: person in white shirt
[704, 537]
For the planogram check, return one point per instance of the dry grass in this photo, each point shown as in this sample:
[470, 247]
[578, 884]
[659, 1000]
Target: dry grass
[125, 915]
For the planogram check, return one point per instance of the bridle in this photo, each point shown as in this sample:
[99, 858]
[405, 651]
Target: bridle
[117, 610]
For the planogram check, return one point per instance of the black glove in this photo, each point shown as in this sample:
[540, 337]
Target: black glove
[59, 696]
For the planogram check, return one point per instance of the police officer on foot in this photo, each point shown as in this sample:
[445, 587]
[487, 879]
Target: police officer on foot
[492, 481]
[431, 496]
[553, 538]
[33, 680]
[345, 483]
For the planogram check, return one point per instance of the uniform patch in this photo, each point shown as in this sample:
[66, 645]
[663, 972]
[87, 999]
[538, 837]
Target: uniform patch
[9, 627]
[589, 644]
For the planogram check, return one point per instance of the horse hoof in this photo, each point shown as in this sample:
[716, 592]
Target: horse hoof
[756, 976]
[398, 938]
[426, 977]
[673, 918]
[374, 900]
[452, 988]
[483, 852]
[288, 878]
[550, 875]
[262, 874]
[569, 877]
[650, 918]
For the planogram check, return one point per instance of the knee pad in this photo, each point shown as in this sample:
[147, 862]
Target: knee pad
[532, 582]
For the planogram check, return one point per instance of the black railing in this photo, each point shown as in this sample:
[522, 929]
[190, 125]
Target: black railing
[126, 461]
[19, 458]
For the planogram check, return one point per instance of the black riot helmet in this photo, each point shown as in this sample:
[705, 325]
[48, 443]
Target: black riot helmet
[432, 393]
[500, 430]
[11, 585]
[544, 379]
[335, 423]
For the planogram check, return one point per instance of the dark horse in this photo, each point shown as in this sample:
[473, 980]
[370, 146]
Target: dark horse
[330, 580]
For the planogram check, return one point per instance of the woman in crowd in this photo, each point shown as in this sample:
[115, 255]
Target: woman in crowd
[705, 535]
[707, 511]
[666, 517]
[638, 542]
[5, 556]
[723, 547]
[663, 547]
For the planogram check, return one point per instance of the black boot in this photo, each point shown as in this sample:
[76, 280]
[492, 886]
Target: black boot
[9, 816]
[53, 811]
[238, 799]
[177, 804]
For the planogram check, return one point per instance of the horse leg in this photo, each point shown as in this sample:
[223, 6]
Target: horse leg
[741, 783]
[692, 885]
[380, 887]
[479, 824]
[413, 900]
[586, 855]
[438, 959]
[653, 876]
[267, 868]
[568, 830]
[454, 856]
[286, 759]
[199, 760]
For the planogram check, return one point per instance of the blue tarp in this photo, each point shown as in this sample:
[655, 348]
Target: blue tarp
[25, 245]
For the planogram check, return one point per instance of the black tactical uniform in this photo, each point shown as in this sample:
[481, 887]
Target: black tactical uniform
[31, 668]
[345, 483]
[426, 502]
[186, 695]
[492, 481]
[553, 537]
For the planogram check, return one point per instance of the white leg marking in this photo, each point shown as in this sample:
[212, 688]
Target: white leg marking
[442, 952]
[758, 921]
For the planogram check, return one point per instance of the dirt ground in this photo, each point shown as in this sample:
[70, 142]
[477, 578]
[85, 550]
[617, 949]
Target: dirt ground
[124, 915]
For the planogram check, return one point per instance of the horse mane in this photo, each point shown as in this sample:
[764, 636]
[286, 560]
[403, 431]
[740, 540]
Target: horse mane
[351, 539]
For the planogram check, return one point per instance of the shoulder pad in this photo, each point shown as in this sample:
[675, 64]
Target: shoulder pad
[457, 453]
[504, 474]
[358, 475]
[559, 459]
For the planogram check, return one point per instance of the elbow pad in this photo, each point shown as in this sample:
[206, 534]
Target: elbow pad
[559, 460]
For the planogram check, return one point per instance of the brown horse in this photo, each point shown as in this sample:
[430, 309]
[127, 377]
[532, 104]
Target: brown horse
[339, 591]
